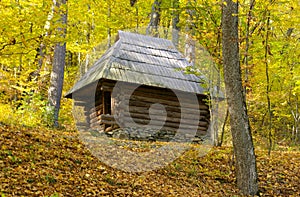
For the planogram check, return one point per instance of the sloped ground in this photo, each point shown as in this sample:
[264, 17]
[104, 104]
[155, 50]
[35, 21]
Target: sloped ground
[41, 162]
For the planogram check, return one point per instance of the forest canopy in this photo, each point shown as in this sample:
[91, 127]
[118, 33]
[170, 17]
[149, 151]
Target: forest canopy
[269, 34]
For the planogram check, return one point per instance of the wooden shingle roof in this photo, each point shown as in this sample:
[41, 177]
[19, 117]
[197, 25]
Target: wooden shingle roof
[144, 60]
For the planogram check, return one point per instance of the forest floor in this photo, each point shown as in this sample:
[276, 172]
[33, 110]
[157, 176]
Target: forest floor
[44, 162]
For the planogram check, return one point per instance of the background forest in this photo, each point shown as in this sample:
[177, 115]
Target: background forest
[269, 44]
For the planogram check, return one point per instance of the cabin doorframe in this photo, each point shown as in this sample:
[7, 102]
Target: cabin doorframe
[107, 102]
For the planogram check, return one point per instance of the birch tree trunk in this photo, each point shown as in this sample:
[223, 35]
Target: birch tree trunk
[246, 173]
[57, 73]
[41, 51]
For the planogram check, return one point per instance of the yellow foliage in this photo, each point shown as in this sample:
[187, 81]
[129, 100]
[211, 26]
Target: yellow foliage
[10, 116]
[7, 114]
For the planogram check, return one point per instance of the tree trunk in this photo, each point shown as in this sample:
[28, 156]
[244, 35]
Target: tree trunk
[109, 29]
[57, 73]
[223, 129]
[42, 48]
[245, 164]
[152, 28]
[268, 85]
[175, 22]
[247, 47]
[190, 44]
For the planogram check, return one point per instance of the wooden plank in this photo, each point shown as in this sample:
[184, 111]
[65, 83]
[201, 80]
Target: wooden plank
[135, 98]
[93, 120]
[144, 88]
[175, 112]
[159, 122]
[107, 117]
[94, 114]
[169, 119]
[169, 97]
[97, 108]
[104, 117]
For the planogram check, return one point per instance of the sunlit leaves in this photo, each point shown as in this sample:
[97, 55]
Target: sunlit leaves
[282, 58]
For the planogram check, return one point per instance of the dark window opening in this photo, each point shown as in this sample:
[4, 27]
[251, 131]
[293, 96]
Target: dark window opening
[107, 102]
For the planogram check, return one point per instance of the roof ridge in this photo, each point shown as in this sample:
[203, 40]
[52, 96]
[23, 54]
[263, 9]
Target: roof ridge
[144, 60]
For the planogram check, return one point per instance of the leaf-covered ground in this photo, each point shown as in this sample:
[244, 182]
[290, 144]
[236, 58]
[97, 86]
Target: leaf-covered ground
[41, 162]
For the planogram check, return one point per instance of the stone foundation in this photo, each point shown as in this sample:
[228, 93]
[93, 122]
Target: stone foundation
[148, 134]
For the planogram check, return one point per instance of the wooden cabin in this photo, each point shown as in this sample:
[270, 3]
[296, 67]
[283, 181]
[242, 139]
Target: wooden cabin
[132, 75]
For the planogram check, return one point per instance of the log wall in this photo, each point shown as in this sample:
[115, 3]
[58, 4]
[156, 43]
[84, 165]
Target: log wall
[141, 109]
